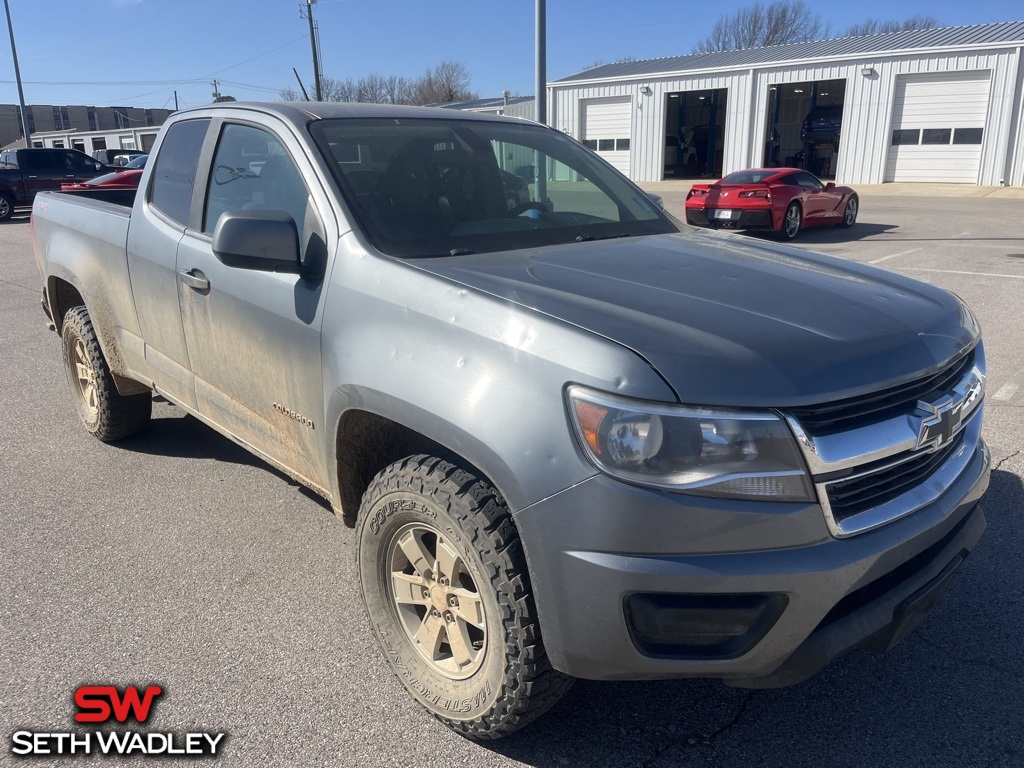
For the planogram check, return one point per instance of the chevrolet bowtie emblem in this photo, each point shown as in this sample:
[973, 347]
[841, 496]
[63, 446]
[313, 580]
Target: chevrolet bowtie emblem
[942, 422]
[944, 418]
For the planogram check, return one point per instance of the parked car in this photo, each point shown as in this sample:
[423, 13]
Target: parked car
[25, 172]
[574, 439]
[137, 162]
[116, 157]
[783, 200]
[822, 125]
[126, 179]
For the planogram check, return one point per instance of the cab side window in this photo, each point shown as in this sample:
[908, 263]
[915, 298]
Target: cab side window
[39, 162]
[78, 162]
[253, 171]
[174, 174]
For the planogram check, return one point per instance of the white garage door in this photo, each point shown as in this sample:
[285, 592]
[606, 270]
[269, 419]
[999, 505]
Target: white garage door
[938, 123]
[607, 127]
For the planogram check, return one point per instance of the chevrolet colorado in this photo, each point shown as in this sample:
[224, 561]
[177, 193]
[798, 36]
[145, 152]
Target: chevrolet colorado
[576, 437]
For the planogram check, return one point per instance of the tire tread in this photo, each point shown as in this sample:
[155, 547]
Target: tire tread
[531, 686]
[120, 416]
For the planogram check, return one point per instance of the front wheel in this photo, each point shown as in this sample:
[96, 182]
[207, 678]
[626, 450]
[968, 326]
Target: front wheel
[105, 412]
[448, 596]
[6, 207]
[791, 222]
[850, 213]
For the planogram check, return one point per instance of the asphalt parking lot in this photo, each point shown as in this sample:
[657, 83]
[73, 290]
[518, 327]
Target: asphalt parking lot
[177, 558]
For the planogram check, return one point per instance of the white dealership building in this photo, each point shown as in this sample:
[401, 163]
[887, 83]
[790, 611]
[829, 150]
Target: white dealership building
[941, 105]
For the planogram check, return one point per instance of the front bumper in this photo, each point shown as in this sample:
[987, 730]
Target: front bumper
[594, 547]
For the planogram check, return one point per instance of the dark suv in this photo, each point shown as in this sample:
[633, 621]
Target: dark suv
[23, 172]
[822, 124]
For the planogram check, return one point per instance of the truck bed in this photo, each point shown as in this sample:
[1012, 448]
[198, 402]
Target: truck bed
[81, 240]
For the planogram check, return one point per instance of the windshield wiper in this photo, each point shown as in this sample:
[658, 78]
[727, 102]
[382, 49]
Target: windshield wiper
[588, 238]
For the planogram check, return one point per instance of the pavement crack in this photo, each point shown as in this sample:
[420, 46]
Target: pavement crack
[735, 718]
[18, 285]
[1006, 459]
[703, 739]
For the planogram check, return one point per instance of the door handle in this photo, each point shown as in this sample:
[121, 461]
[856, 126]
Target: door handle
[193, 278]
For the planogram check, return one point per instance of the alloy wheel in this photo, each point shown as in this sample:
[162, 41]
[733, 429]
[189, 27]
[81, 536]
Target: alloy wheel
[437, 602]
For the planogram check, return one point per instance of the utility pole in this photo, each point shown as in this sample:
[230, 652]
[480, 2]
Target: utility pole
[306, 12]
[216, 93]
[175, 101]
[17, 76]
[541, 98]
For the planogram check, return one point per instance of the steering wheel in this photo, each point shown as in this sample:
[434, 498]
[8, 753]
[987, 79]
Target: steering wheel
[529, 205]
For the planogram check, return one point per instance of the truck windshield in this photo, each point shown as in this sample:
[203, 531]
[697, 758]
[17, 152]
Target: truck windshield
[427, 187]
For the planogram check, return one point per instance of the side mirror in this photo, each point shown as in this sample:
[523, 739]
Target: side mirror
[830, 186]
[656, 199]
[266, 241]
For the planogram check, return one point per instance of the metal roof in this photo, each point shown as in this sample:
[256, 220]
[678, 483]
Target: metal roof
[889, 42]
[484, 103]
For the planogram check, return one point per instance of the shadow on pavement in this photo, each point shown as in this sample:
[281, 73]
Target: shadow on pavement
[948, 695]
[185, 437]
[832, 234]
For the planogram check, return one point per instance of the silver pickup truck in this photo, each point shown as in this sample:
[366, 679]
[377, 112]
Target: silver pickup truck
[576, 437]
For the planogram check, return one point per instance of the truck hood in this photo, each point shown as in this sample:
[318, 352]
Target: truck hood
[727, 321]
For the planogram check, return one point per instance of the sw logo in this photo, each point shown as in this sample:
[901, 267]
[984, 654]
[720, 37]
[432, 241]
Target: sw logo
[100, 704]
[96, 703]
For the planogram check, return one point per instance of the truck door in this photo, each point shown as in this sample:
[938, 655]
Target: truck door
[41, 171]
[158, 220]
[253, 337]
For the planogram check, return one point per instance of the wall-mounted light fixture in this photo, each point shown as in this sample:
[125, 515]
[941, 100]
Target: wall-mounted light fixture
[867, 71]
[646, 90]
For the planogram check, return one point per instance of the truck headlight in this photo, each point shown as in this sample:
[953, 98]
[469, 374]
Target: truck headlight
[703, 451]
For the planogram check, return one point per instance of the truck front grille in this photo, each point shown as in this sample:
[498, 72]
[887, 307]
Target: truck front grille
[853, 412]
[872, 489]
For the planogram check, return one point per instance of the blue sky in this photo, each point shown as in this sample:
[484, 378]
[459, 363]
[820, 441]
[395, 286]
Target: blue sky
[137, 52]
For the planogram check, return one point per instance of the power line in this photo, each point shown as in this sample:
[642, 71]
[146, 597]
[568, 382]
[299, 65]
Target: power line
[211, 74]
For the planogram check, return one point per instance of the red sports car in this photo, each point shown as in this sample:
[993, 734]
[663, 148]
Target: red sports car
[784, 200]
[128, 179]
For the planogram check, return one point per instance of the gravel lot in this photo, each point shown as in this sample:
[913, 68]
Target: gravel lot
[176, 557]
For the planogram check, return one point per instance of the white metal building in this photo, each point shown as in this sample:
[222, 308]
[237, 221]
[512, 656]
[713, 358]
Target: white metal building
[88, 141]
[925, 105]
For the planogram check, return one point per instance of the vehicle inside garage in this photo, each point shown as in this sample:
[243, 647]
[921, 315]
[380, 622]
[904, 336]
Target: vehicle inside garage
[803, 128]
[694, 131]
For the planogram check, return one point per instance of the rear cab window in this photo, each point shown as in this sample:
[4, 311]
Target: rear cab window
[174, 174]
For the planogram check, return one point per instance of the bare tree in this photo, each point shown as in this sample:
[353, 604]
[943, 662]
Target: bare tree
[447, 82]
[398, 90]
[372, 89]
[336, 89]
[775, 23]
[877, 27]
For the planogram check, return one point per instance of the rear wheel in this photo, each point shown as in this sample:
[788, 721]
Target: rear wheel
[446, 589]
[6, 207]
[791, 222]
[106, 413]
[850, 212]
